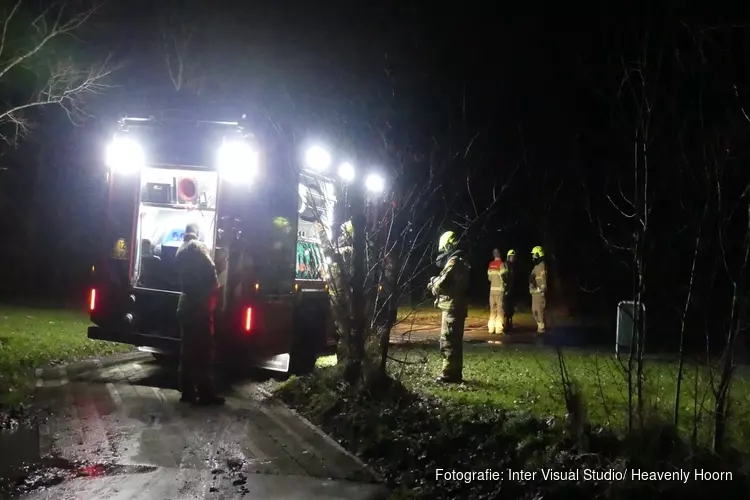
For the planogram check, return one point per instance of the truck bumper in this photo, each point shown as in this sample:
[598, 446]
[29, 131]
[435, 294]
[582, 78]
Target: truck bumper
[167, 345]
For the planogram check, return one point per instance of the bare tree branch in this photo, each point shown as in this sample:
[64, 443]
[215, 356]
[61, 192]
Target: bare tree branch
[176, 41]
[63, 83]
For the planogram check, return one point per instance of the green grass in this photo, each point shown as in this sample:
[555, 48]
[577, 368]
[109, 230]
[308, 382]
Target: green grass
[527, 379]
[31, 338]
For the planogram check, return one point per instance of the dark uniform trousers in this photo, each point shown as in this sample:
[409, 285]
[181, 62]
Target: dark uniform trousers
[509, 307]
[197, 352]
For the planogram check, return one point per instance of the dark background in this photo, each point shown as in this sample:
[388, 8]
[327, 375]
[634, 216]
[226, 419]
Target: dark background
[536, 91]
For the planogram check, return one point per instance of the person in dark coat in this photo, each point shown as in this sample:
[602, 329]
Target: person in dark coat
[195, 313]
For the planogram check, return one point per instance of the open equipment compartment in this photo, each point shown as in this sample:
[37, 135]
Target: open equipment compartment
[170, 198]
[316, 201]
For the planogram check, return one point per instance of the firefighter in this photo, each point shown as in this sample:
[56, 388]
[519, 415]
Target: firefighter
[345, 245]
[538, 287]
[195, 313]
[508, 275]
[494, 276]
[450, 289]
[346, 237]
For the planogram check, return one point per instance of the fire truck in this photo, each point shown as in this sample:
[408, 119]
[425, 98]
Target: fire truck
[260, 212]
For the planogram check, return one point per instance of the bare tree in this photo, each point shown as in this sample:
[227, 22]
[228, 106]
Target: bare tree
[684, 317]
[58, 81]
[394, 239]
[684, 111]
[635, 210]
[735, 225]
[179, 52]
[408, 240]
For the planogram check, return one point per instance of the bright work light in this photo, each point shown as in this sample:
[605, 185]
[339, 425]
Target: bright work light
[375, 183]
[317, 158]
[346, 172]
[125, 155]
[237, 161]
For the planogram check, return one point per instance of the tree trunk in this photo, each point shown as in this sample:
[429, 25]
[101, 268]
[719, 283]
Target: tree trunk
[681, 363]
[739, 313]
[357, 347]
[721, 406]
[390, 309]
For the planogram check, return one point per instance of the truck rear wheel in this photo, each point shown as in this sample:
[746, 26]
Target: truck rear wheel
[302, 361]
[166, 359]
[310, 327]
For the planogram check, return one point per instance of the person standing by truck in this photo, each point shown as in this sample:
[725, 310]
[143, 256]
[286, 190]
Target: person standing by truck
[195, 314]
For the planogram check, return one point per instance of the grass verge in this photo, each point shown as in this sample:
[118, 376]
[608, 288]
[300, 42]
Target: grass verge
[525, 378]
[31, 338]
[506, 417]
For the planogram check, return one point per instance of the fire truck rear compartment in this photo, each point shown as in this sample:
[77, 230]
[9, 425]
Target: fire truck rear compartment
[251, 224]
[170, 199]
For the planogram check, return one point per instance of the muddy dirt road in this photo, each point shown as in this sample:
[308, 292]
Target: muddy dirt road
[120, 433]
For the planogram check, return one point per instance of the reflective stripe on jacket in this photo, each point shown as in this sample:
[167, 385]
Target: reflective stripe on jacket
[451, 284]
[538, 279]
[494, 275]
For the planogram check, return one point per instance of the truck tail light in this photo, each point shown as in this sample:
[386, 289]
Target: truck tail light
[248, 319]
[92, 300]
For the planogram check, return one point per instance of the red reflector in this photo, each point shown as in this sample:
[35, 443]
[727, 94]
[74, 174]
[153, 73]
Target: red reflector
[92, 300]
[248, 319]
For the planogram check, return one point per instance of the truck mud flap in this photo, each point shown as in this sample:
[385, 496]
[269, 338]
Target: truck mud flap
[164, 344]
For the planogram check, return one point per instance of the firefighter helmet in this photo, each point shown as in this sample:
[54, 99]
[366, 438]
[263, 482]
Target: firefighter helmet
[447, 239]
[537, 251]
[348, 227]
[511, 252]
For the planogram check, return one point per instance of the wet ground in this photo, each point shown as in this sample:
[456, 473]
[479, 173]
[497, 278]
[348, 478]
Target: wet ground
[589, 336]
[121, 433]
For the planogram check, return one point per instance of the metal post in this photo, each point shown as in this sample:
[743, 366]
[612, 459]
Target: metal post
[626, 324]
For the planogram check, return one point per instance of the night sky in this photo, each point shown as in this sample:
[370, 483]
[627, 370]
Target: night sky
[537, 90]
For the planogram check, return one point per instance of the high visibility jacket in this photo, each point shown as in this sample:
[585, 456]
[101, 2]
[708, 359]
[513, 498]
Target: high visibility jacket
[494, 275]
[339, 289]
[451, 284]
[538, 278]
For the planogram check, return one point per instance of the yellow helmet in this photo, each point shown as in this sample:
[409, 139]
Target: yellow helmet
[537, 251]
[448, 238]
[348, 227]
[511, 252]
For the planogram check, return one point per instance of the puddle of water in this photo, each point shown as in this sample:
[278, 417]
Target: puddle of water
[22, 469]
[18, 447]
